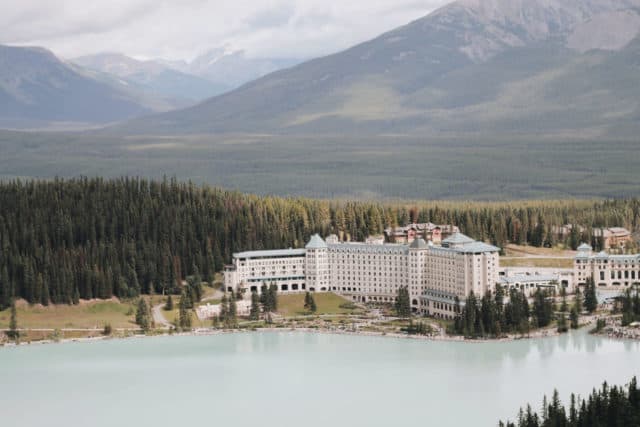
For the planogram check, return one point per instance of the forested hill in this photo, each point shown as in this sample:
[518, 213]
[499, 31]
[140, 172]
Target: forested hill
[61, 241]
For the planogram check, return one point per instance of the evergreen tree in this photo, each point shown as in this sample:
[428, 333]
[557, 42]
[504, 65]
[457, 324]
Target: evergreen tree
[403, 303]
[224, 310]
[562, 323]
[574, 318]
[184, 313]
[169, 305]
[310, 303]
[13, 333]
[606, 407]
[254, 313]
[578, 300]
[143, 315]
[590, 296]
[232, 316]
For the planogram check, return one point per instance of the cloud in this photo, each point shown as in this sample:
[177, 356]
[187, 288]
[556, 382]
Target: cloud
[183, 29]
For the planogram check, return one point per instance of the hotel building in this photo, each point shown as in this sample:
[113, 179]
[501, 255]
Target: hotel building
[434, 275]
[608, 271]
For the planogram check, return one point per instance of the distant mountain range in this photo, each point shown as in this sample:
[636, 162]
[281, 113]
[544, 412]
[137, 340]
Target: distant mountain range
[36, 88]
[153, 77]
[481, 99]
[492, 66]
[39, 90]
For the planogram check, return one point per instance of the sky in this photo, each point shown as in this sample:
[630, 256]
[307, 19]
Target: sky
[182, 29]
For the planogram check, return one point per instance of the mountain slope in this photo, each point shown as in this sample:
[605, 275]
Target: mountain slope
[475, 65]
[37, 88]
[153, 77]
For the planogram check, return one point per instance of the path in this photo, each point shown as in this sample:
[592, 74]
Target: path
[158, 317]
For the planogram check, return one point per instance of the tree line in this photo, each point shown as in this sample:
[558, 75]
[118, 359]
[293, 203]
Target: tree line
[66, 240]
[491, 316]
[608, 407]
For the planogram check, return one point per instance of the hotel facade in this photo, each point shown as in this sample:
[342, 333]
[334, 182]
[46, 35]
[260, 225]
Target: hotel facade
[608, 271]
[434, 275]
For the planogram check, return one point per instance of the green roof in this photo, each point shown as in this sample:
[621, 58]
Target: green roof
[316, 242]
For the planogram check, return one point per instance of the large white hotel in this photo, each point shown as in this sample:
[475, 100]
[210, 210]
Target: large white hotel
[434, 275]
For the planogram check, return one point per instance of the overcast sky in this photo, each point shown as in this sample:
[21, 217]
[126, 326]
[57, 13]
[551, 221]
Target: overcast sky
[181, 29]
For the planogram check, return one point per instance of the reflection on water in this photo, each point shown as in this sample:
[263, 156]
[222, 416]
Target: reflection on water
[310, 379]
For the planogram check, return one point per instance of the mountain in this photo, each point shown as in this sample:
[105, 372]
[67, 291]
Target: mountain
[153, 77]
[233, 68]
[37, 89]
[555, 67]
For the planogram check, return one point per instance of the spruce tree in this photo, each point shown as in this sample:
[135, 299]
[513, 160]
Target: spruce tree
[403, 303]
[169, 305]
[232, 317]
[578, 300]
[184, 313]
[254, 312]
[143, 318]
[590, 296]
[574, 318]
[224, 310]
[562, 323]
[310, 303]
[13, 333]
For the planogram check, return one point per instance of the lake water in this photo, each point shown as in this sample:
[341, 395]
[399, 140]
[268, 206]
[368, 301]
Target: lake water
[293, 379]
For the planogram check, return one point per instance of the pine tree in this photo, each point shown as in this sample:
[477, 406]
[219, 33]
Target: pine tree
[143, 317]
[232, 317]
[184, 313]
[403, 303]
[310, 303]
[13, 333]
[562, 323]
[590, 296]
[254, 312]
[224, 310]
[574, 318]
[169, 305]
[578, 300]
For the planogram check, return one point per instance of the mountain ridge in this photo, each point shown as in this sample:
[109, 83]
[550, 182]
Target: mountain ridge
[394, 82]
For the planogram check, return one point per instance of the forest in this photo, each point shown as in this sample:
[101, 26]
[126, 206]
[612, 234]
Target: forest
[66, 240]
[608, 407]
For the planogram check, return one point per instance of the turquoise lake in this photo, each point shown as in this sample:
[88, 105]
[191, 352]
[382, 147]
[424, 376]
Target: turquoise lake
[288, 379]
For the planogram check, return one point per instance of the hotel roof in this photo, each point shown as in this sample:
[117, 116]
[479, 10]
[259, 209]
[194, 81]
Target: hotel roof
[271, 254]
[316, 242]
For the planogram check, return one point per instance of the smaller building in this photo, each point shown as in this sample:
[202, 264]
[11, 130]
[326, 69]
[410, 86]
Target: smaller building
[611, 237]
[428, 231]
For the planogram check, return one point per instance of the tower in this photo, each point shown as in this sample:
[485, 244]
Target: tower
[317, 264]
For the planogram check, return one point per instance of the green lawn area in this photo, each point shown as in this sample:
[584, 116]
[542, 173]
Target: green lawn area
[537, 262]
[94, 314]
[327, 303]
[172, 315]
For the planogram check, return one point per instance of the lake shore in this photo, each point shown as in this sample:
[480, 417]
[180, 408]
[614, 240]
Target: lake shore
[540, 334]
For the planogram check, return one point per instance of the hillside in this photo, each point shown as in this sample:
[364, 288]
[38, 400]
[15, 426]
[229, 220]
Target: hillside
[36, 88]
[495, 67]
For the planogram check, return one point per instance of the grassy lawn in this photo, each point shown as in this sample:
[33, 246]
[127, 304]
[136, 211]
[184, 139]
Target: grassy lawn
[94, 314]
[172, 315]
[522, 250]
[327, 303]
[537, 262]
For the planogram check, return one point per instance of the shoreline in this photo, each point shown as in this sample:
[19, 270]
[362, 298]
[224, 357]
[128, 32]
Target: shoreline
[546, 333]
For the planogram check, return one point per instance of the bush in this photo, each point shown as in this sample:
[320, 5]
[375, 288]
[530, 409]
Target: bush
[107, 330]
[348, 306]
